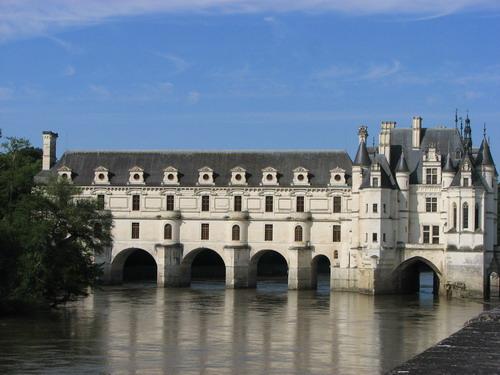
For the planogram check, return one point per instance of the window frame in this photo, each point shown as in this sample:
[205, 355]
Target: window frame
[236, 233]
[337, 233]
[238, 203]
[170, 202]
[167, 231]
[269, 203]
[268, 232]
[136, 202]
[205, 232]
[205, 203]
[300, 204]
[135, 231]
[337, 204]
[431, 204]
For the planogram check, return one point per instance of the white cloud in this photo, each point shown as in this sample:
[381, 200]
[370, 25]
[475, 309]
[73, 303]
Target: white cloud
[177, 62]
[193, 97]
[31, 17]
[381, 71]
[5, 93]
[100, 91]
[353, 74]
[69, 71]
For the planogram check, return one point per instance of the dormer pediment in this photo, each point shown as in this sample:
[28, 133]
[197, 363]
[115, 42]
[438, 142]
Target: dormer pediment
[170, 169]
[65, 173]
[136, 169]
[170, 176]
[269, 176]
[270, 170]
[205, 169]
[238, 169]
[101, 175]
[64, 168]
[136, 176]
[238, 176]
[300, 170]
[101, 169]
[206, 176]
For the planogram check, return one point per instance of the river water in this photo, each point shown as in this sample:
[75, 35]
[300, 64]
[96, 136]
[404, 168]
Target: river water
[140, 329]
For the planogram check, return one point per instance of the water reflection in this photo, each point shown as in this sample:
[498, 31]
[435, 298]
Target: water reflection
[207, 329]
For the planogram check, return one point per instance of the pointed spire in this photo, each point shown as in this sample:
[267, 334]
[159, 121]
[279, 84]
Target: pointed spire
[449, 167]
[362, 156]
[484, 156]
[402, 166]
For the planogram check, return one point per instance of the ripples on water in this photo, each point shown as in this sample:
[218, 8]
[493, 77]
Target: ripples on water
[139, 329]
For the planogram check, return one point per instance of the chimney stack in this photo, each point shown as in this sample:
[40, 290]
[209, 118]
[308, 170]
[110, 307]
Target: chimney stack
[49, 150]
[416, 132]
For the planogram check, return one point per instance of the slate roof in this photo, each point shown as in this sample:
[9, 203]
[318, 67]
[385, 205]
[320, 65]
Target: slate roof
[387, 179]
[83, 164]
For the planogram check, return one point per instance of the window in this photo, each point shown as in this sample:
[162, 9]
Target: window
[235, 233]
[431, 176]
[205, 231]
[366, 208]
[375, 208]
[427, 234]
[465, 214]
[268, 232]
[435, 235]
[431, 204]
[135, 231]
[466, 182]
[375, 182]
[375, 237]
[167, 232]
[136, 202]
[205, 203]
[100, 202]
[455, 215]
[237, 203]
[337, 233]
[385, 208]
[366, 237]
[298, 233]
[384, 237]
[300, 204]
[170, 202]
[269, 204]
[336, 254]
[477, 224]
[337, 204]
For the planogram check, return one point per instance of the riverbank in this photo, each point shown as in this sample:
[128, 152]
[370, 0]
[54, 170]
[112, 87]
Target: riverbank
[472, 350]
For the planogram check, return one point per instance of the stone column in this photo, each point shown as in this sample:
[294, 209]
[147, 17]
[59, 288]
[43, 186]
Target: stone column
[237, 266]
[171, 271]
[299, 268]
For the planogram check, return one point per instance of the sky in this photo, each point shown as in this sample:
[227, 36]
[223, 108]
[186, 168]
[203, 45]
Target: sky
[244, 74]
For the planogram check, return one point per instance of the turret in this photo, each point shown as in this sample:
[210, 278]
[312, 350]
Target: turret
[485, 163]
[362, 159]
[403, 173]
[416, 132]
[49, 150]
[449, 172]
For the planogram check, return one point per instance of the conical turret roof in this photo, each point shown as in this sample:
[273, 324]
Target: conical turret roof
[449, 167]
[362, 156]
[402, 166]
[484, 156]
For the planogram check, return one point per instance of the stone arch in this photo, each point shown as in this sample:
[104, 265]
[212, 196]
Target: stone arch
[253, 269]
[118, 262]
[213, 267]
[318, 264]
[407, 275]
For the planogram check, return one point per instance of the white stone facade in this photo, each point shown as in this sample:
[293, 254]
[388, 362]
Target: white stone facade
[396, 208]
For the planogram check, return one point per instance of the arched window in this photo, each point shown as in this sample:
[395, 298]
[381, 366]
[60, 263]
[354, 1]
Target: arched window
[298, 233]
[235, 233]
[477, 223]
[167, 232]
[455, 215]
[465, 214]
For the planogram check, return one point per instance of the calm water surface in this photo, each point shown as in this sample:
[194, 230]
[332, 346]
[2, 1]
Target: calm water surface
[139, 329]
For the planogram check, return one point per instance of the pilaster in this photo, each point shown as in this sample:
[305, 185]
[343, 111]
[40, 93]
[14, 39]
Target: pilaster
[237, 266]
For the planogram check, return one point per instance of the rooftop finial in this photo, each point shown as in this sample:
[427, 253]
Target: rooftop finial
[363, 133]
[484, 131]
[456, 118]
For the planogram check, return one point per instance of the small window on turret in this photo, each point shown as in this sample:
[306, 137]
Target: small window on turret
[375, 182]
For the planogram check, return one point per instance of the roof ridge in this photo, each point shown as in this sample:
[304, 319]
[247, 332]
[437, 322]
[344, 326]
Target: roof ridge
[245, 151]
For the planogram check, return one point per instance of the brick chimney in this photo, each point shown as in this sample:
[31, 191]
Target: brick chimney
[49, 150]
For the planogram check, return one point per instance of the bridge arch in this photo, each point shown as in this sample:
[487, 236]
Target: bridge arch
[417, 274]
[134, 264]
[267, 264]
[321, 266]
[204, 264]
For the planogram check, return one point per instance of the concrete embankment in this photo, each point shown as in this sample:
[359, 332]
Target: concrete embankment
[473, 350]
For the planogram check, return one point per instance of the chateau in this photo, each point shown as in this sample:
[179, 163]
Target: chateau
[424, 199]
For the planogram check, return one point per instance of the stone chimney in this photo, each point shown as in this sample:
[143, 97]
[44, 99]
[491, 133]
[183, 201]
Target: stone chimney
[416, 132]
[49, 150]
[385, 139]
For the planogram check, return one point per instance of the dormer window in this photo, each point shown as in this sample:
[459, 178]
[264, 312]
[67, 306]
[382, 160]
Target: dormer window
[375, 182]
[65, 173]
[337, 176]
[170, 176]
[431, 176]
[238, 176]
[301, 176]
[270, 177]
[101, 176]
[136, 176]
[206, 176]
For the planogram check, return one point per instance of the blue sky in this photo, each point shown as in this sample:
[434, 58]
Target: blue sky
[230, 74]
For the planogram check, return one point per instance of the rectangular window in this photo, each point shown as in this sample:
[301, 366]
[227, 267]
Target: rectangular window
[375, 182]
[170, 202]
[237, 203]
[385, 208]
[427, 234]
[268, 232]
[135, 231]
[136, 202]
[375, 237]
[384, 237]
[269, 204]
[431, 204]
[205, 232]
[435, 235]
[205, 203]
[100, 202]
[300, 204]
[337, 204]
[431, 176]
[366, 208]
[466, 182]
[375, 208]
[337, 236]
[366, 237]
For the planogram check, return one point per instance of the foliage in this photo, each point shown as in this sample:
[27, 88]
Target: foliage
[48, 238]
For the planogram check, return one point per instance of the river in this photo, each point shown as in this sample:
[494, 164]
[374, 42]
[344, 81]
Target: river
[140, 329]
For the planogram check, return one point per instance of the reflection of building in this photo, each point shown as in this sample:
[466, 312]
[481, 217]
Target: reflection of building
[424, 199]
